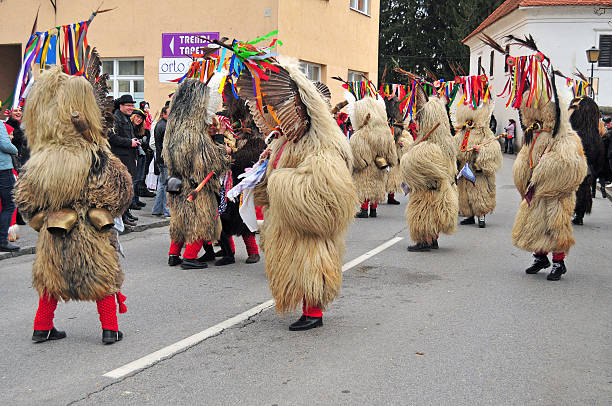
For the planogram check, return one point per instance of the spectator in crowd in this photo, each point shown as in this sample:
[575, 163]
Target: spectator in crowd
[493, 124]
[138, 120]
[510, 132]
[7, 181]
[19, 139]
[160, 207]
[146, 146]
[123, 142]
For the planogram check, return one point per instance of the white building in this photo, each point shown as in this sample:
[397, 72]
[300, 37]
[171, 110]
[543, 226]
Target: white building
[562, 29]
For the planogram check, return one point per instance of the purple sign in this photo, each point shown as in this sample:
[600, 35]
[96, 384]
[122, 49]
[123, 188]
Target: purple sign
[183, 44]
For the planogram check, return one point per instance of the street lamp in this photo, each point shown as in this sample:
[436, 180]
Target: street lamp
[592, 57]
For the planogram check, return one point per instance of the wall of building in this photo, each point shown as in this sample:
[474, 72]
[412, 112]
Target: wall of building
[331, 34]
[562, 33]
[321, 31]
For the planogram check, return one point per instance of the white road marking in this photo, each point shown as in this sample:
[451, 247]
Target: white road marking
[197, 338]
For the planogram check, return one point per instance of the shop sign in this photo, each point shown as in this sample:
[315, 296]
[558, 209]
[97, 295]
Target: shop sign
[172, 68]
[183, 44]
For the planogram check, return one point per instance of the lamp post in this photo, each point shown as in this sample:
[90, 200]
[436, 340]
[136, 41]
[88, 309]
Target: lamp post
[592, 57]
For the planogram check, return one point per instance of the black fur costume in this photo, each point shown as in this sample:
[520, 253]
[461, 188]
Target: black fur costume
[585, 121]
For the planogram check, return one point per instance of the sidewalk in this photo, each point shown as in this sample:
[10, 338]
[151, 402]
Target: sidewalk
[28, 237]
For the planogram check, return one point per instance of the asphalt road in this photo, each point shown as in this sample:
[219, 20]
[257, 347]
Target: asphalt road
[463, 325]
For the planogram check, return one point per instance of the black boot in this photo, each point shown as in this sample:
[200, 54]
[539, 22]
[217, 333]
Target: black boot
[174, 260]
[467, 220]
[193, 264]
[130, 216]
[372, 212]
[481, 222]
[434, 244]
[577, 220]
[363, 214]
[419, 247]
[540, 262]
[44, 335]
[111, 337]
[252, 259]
[557, 270]
[225, 261]
[306, 323]
[8, 247]
[127, 221]
[391, 200]
[209, 253]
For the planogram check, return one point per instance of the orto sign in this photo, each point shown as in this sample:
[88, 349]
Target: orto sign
[172, 68]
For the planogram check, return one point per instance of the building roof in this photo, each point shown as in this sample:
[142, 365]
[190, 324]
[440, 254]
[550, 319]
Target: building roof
[509, 6]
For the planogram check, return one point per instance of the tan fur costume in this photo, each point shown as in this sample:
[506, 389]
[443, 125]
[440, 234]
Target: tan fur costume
[371, 139]
[394, 178]
[191, 155]
[309, 202]
[429, 169]
[67, 171]
[559, 168]
[478, 199]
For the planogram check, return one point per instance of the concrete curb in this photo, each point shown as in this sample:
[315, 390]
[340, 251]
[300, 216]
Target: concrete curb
[136, 229]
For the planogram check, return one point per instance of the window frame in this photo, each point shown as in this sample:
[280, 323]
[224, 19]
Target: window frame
[115, 77]
[598, 64]
[354, 5]
[306, 66]
[364, 75]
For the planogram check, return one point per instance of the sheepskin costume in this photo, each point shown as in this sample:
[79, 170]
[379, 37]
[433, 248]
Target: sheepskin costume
[190, 155]
[67, 171]
[478, 198]
[372, 139]
[403, 141]
[553, 167]
[71, 189]
[309, 202]
[429, 168]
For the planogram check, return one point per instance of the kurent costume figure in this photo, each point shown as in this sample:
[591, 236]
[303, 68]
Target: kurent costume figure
[429, 168]
[307, 194]
[195, 164]
[550, 165]
[374, 151]
[584, 118]
[478, 155]
[403, 139]
[71, 189]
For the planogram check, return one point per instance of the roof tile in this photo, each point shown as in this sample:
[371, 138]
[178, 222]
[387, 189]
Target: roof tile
[509, 6]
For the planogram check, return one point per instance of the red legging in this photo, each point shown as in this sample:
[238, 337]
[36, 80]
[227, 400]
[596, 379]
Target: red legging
[312, 311]
[557, 256]
[366, 202]
[191, 250]
[250, 243]
[107, 309]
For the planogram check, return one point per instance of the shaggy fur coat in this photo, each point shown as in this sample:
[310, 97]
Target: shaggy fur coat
[429, 169]
[190, 155]
[309, 202]
[394, 178]
[67, 171]
[371, 139]
[559, 166]
[477, 199]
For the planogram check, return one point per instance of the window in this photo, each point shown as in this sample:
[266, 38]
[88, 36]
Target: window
[126, 76]
[356, 76]
[480, 68]
[491, 61]
[362, 6]
[605, 51]
[311, 70]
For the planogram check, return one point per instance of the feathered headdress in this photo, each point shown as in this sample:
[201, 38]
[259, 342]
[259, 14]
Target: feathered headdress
[532, 79]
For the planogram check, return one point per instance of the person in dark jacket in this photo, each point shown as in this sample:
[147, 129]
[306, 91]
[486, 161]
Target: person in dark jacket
[19, 139]
[7, 181]
[160, 208]
[123, 142]
[146, 147]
